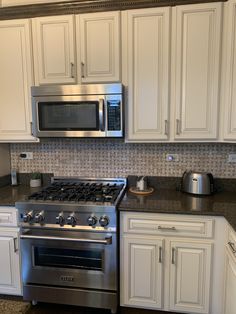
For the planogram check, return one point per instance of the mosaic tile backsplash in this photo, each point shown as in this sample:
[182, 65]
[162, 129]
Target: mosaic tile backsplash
[114, 158]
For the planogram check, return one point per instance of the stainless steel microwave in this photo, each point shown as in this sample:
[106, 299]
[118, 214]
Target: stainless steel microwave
[93, 110]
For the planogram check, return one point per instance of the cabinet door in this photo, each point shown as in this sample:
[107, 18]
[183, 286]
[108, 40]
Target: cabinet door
[98, 46]
[10, 265]
[190, 275]
[145, 71]
[141, 272]
[54, 50]
[229, 82]
[230, 284]
[15, 81]
[195, 65]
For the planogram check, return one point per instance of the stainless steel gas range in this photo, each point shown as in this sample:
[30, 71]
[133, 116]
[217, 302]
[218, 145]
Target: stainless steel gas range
[69, 242]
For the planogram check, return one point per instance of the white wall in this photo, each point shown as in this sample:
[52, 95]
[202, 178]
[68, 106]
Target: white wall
[4, 160]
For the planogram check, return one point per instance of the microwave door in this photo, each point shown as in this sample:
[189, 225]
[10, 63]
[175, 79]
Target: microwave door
[69, 116]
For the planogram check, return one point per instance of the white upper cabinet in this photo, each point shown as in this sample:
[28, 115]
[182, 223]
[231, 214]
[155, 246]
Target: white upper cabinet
[229, 72]
[54, 50]
[98, 46]
[145, 72]
[195, 70]
[16, 78]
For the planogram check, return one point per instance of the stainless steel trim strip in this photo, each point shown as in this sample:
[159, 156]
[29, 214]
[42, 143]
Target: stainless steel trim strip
[106, 241]
[101, 115]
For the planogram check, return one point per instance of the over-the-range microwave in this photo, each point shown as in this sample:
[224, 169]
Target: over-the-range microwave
[92, 110]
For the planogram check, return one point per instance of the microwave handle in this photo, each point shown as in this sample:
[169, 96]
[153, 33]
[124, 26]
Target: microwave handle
[101, 115]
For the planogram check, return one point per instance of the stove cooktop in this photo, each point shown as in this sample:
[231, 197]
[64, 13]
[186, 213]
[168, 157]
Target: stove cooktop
[80, 190]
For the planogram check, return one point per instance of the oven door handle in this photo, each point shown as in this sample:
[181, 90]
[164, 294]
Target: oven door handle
[106, 241]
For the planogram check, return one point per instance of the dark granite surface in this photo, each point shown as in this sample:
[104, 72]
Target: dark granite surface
[163, 200]
[171, 201]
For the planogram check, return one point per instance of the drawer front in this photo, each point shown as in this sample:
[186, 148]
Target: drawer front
[8, 216]
[178, 225]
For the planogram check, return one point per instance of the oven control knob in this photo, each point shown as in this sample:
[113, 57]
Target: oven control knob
[92, 220]
[104, 221]
[39, 217]
[60, 219]
[28, 217]
[71, 220]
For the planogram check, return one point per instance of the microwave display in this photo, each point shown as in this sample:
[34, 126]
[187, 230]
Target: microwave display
[65, 116]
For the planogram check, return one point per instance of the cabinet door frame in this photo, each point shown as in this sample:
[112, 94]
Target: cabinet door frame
[24, 134]
[134, 133]
[85, 56]
[130, 244]
[203, 254]
[42, 74]
[180, 21]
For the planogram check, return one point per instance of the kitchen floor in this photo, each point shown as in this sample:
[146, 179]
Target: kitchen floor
[44, 308]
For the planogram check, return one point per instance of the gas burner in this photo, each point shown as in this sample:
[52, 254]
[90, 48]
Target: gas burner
[79, 191]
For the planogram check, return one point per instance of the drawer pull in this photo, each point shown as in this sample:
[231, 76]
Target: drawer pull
[232, 247]
[160, 254]
[166, 228]
[15, 245]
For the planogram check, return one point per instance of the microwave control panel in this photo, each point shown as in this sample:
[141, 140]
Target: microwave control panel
[113, 115]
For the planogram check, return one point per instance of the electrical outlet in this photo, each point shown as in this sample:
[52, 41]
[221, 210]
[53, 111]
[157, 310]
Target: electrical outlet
[26, 155]
[172, 157]
[232, 158]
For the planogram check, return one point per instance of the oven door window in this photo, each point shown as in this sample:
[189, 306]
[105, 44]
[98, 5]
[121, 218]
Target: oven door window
[68, 116]
[69, 258]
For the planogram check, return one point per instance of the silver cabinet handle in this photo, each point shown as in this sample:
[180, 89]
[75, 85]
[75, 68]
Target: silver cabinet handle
[82, 69]
[173, 256]
[177, 126]
[160, 254]
[31, 128]
[166, 127]
[232, 247]
[106, 241]
[72, 69]
[101, 115]
[15, 244]
[166, 228]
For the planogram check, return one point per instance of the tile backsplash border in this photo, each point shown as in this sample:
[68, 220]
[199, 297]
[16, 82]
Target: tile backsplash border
[114, 158]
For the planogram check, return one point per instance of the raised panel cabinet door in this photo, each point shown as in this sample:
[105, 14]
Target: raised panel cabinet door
[230, 284]
[145, 39]
[98, 46]
[195, 70]
[54, 50]
[190, 276]
[16, 78]
[229, 82]
[141, 274]
[10, 266]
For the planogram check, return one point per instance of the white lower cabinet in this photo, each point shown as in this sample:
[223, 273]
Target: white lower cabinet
[190, 275]
[230, 276]
[165, 271]
[144, 272]
[10, 282]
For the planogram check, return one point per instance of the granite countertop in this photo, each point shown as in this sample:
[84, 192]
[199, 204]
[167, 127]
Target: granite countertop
[170, 201]
[165, 199]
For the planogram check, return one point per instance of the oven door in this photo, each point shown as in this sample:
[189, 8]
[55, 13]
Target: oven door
[69, 258]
